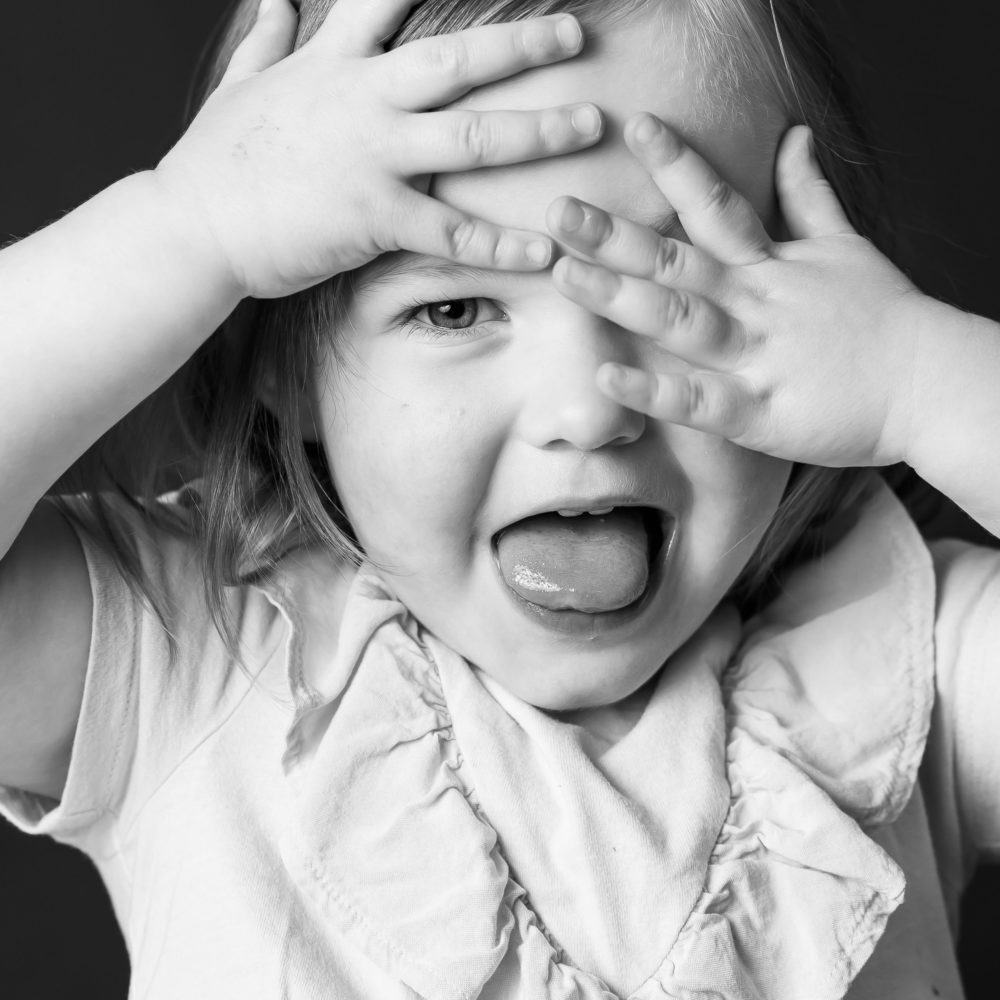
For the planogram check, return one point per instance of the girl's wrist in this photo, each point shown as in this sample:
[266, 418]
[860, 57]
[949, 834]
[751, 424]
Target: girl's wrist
[954, 407]
[939, 336]
[189, 222]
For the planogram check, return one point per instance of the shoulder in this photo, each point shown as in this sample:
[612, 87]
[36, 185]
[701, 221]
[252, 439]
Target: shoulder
[157, 678]
[966, 756]
[966, 610]
[148, 575]
[194, 661]
[966, 575]
[45, 630]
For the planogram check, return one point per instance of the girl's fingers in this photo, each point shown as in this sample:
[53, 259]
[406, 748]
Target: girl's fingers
[463, 140]
[360, 27]
[808, 203]
[715, 216]
[432, 72]
[712, 402]
[631, 248]
[270, 39]
[687, 325]
[424, 225]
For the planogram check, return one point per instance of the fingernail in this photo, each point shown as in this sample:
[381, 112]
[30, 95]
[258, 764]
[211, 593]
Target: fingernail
[574, 271]
[646, 129]
[569, 33]
[572, 217]
[614, 374]
[538, 251]
[586, 119]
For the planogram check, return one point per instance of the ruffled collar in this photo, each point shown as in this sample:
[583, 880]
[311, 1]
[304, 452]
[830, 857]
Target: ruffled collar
[471, 845]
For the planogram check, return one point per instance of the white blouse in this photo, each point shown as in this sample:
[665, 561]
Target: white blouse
[355, 812]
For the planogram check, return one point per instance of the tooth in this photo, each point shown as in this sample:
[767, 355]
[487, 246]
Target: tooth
[601, 512]
[569, 513]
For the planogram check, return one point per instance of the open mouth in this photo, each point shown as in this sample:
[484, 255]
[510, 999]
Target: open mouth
[574, 568]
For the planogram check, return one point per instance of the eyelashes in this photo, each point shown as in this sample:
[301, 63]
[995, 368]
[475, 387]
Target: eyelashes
[462, 318]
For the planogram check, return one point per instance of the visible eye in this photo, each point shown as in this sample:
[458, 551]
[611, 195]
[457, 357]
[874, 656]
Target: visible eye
[455, 316]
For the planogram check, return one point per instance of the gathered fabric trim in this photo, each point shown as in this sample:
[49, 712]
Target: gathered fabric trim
[795, 894]
[721, 952]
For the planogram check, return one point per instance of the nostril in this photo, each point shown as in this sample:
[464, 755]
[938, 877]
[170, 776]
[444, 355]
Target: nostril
[578, 414]
[589, 428]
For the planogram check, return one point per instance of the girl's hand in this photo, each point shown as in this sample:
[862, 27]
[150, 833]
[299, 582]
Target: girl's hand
[805, 350]
[304, 165]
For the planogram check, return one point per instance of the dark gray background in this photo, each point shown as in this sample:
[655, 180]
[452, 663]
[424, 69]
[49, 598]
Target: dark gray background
[94, 90]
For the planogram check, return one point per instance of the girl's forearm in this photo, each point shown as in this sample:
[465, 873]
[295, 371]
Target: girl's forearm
[954, 437]
[96, 311]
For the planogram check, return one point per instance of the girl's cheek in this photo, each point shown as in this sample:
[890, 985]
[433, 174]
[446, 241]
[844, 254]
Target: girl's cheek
[411, 472]
[720, 465]
[733, 491]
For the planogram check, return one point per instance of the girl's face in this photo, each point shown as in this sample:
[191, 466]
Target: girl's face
[467, 403]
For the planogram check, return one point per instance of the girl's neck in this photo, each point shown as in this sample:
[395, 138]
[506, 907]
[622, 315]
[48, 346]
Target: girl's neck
[605, 725]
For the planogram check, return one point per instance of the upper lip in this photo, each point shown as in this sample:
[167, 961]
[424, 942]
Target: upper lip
[583, 504]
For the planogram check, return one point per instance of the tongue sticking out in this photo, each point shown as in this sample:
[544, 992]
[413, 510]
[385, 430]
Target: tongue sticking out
[586, 563]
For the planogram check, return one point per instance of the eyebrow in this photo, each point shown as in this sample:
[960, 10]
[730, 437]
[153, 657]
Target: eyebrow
[402, 264]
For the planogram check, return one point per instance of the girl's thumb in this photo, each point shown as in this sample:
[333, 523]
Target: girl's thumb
[808, 203]
[271, 38]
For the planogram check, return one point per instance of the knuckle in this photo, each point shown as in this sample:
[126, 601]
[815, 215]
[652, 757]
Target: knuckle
[711, 403]
[477, 138]
[500, 248]
[551, 131]
[720, 196]
[385, 227]
[533, 42]
[712, 328]
[699, 402]
[460, 236]
[450, 58]
[675, 309]
[666, 262]
[722, 343]
[735, 340]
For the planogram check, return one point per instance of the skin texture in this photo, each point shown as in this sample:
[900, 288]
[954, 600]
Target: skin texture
[437, 439]
[815, 350]
[103, 306]
[377, 126]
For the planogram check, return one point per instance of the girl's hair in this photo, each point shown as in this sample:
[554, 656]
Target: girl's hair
[262, 490]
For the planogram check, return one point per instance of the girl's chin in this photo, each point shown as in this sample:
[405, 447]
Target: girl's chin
[560, 684]
[596, 661]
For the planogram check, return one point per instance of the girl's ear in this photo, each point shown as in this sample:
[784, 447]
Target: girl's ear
[305, 408]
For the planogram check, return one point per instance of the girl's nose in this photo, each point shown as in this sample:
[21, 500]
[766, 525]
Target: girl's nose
[563, 405]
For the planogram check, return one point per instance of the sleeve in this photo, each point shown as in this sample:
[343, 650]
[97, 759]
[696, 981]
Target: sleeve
[153, 691]
[967, 641]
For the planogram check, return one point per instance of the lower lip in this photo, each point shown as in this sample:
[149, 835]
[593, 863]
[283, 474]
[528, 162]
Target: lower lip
[591, 624]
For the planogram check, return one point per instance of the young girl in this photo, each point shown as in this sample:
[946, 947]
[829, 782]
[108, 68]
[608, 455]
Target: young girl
[580, 398]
